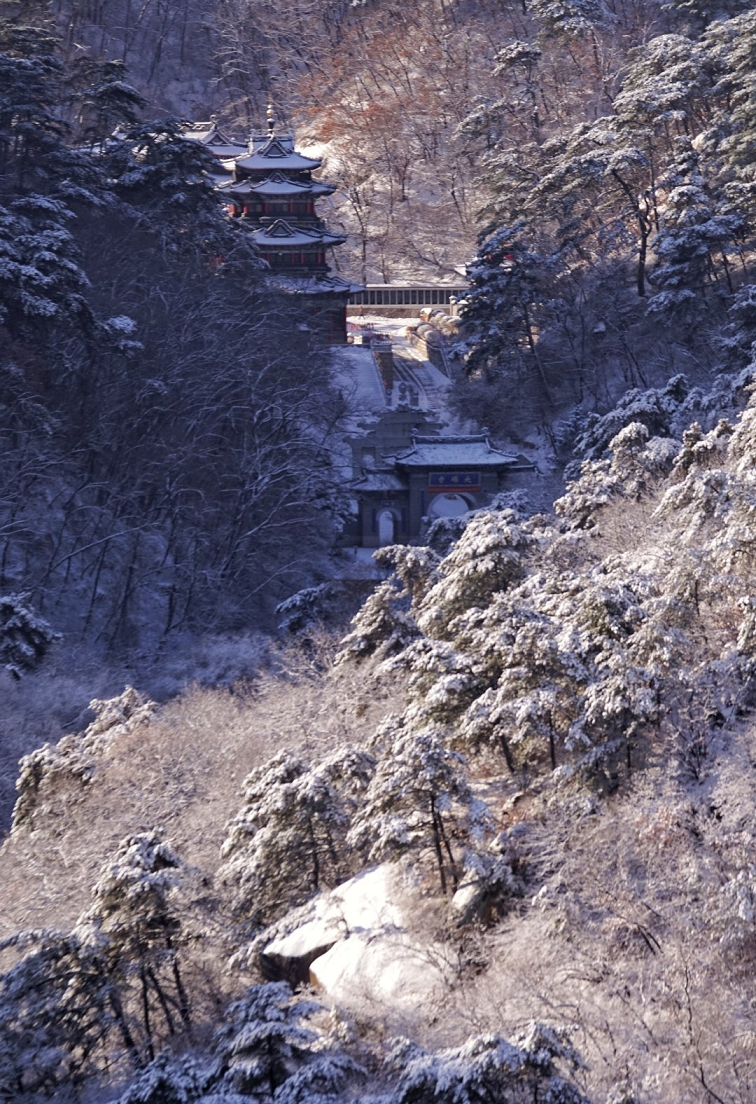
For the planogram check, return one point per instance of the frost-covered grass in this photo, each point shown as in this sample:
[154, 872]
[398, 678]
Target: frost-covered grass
[182, 770]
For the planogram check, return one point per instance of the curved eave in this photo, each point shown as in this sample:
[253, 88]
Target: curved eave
[281, 236]
[286, 161]
[316, 285]
[458, 452]
[296, 241]
[278, 188]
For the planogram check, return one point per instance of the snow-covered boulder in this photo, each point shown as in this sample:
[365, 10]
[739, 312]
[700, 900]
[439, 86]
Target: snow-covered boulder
[363, 904]
[355, 946]
[288, 958]
[390, 969]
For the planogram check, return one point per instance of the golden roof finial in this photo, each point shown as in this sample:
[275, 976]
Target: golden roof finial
[271, 118]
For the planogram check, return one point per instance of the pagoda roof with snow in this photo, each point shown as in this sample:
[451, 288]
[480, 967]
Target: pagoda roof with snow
[215, 140]
[281, 234]
[278, 184]
[462, 451]
[275, 151]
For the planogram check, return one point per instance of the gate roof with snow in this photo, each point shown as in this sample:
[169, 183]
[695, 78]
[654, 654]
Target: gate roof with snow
[461, 451]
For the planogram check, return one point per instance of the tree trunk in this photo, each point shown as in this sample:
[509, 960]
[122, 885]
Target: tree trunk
[437, 845]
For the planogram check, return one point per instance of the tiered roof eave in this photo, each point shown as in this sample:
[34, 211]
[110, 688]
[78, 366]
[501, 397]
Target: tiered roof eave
[276, 152]
[278, 184]
[280, 234]
[261, 180]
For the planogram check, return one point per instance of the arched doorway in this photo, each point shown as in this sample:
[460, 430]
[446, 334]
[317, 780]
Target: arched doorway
[386, 528]
[448, 506]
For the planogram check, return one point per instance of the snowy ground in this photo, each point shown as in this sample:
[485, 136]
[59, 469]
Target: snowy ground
[417, 382]
[356, 375]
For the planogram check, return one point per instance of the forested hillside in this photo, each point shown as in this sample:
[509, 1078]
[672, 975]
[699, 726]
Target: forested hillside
[163, 444]
[536, 735]
[545, 725]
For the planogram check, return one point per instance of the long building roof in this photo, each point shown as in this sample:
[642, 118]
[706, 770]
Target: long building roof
[469, 451]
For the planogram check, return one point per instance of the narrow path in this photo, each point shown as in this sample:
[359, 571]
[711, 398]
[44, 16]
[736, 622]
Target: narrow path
[416, 382]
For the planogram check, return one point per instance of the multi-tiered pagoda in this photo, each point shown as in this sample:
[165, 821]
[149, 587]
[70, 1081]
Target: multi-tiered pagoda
[272, 190]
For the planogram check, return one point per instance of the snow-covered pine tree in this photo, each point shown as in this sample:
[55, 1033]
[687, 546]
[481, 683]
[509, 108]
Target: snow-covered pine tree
[414, 566]
[24, 636]
[570, 18]
[135, 910]
[265, 1041]
[43, 287]
[382, 626]
[694, 240]
[638, 462]
[167, 178]
[288, 842]
[418, 803]
[99, 99]
[77, 755]
[733, 45]
[505, 308]
[488, 557]
[58, 1010]
[695, 15]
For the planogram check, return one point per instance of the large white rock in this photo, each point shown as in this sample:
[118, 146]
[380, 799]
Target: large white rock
[389, 970]
[371, 900]
[364, 903]
[355, 946]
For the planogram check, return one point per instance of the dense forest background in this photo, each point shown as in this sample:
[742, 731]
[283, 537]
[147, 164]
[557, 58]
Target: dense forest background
[164, 444]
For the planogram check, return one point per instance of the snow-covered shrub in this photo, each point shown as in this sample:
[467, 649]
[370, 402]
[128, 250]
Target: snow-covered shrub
[656, 409]
[638, 462]
[487, 884]
[76, 756]
[171, 1079]
[301, 609]
[489, 1067]
[24, 636]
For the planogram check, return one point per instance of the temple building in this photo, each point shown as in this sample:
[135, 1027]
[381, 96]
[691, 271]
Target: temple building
[214, 139]
[402, 489]
[269, 186]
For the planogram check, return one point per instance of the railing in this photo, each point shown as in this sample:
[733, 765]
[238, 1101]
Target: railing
[407, 295]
